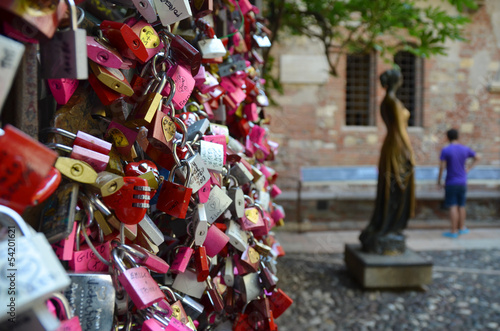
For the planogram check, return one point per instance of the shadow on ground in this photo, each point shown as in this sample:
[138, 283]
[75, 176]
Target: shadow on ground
[464, 295]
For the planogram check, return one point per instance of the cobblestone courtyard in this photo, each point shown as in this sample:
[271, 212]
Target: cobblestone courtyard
[464, 295]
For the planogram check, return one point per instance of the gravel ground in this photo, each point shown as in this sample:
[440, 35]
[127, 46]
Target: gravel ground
[464, 295]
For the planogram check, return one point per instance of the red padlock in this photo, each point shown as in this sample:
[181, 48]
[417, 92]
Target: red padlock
[130, 200]
[174, 198]
[27, 175]
[125, 40]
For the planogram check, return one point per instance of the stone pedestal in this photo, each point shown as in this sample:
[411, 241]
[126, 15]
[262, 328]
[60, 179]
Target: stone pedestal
[407, 270]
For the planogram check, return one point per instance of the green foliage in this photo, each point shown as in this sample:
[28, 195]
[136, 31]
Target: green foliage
[346, 26]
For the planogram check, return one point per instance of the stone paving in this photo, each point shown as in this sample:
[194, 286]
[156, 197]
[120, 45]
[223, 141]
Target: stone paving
[464, 294]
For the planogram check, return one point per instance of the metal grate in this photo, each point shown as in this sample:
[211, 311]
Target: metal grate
[410, 93]
[360, 74]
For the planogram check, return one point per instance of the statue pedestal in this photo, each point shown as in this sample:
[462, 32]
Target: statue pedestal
[407, 270]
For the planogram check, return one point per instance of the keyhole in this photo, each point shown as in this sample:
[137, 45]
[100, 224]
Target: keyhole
[102, 57]
[77, 170]
[232, 69]
[113, 187]
[142, 4]
[201, 233]
[135, 44]
[117, 86]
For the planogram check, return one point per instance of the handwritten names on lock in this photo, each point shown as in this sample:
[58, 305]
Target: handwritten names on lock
[149, 37]
[168, 127]
[86, 260]
[212, 154]
[92, 299]
[217, 203]
[199, 173]
[171, 11]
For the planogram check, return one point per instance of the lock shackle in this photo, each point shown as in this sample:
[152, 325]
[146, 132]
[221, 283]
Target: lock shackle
[6, 213]
[83, 230]
[183, 129]
[118, 261]
[63, 303]
[60, 147]
[165, 289]
[133, 251]
[188, 173]
[154, 61]
[195, 104]
[235, 181]
[73, 15]
[162, 83]
[172, 92]
[59, 131]
[249, 199]
[154, 313]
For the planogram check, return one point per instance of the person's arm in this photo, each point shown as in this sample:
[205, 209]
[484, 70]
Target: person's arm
[442, 166]
[475, 159]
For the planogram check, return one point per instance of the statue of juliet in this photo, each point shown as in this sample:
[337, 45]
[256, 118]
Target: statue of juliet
[395, 200]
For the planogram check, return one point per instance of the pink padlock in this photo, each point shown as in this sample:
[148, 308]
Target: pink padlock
[96, 160]
[209, 84]
[215, 241]
[251, 112]
[149, 260]
[204, 192]
[184, 85]
[85, 259]
[245, 6]
[104, 54]
[199, 78]
[62, 89]
[64, 248]
[274, 191]
[278, 213]
[69, 322]
[257, 134]
[181, 260]
[140, 286]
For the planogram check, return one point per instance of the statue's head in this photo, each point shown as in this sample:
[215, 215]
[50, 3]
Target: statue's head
[391, 79]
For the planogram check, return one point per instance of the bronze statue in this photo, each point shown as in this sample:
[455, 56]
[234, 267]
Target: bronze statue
[395, 201]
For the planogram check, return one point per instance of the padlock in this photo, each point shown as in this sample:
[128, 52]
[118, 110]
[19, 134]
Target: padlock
[201, 263]
[182, 259]
[237, 236]
[146, 33]
[229, 271]
[241, 173]
[161, 132]
[69, 322]
[130, 200]
[183, 52]
[249, 286]
[65, 54]
[102, 53]
[184, 85]
[157, 322]
[147, 9]
[92, 298]
[200, 225]
[151, 231]
[187, 283]
[144, 113]
[172, 11]
[204, 192]
[122, 37]
[58, 215]
[216, 241]
[27, 176]
[174, 198]
[64, 248]
[122, 137]
[267, 278]
[212, 154]
[237, 196]
[83, 139]
[192, 307]
[197, 130]
[62, 89]
[96, 160]
[36, 270]
[137, 281]
[214, 296]
[12, 53]
[233, 64]
[217, 204]
[106, 95]
[250, 259]
[199, 172]
[145, 258]
[112, 78]
[279, 302]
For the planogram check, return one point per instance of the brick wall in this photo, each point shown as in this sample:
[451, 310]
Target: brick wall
[309, 121]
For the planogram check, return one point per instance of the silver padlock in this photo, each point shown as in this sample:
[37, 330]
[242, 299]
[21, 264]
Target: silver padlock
[65, 55]
[236, 194]
[196, 130]
[212, 48]
[28, 261]
[237, 236]
[191, 307]
[187, 283]
[147, 9]
[11, 53]
[151, 230]
[248, 286]
[213, 155]
[217, 203]
[200, 225]
[199, 172]
[264, 199]
[242, 174]
[220, 113]
[92, 298]
[172, 11]
[229, 271]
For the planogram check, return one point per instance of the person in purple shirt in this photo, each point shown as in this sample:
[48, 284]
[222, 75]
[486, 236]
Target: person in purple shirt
[454, 159]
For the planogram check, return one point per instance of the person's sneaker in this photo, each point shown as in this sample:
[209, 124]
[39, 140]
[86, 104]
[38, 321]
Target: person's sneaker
[450, 235]
[463, 231]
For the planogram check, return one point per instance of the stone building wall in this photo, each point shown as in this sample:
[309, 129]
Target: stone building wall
[309, 121]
